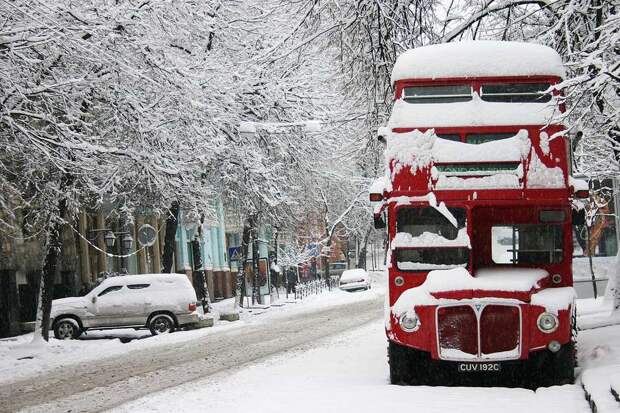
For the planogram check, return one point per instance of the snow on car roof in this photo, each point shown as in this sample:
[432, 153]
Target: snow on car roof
[354, 274]
[481, 58]
[177, 279]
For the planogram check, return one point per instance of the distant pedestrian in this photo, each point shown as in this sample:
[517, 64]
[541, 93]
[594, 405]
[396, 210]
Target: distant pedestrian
[291, 280]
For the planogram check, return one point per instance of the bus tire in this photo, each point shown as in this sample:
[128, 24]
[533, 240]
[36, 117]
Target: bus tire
[553, 369]
[404, 369]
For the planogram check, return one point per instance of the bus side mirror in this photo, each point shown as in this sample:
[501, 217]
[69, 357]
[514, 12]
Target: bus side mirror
[379, 222]
[579, 216]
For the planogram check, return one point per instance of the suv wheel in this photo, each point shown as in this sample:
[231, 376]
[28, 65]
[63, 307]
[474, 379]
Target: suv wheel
[67, 328]
[160, 324]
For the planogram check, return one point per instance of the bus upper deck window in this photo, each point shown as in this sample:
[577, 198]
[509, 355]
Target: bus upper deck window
[449, 137]
[515, 92]
[478, 138]
[437, 94]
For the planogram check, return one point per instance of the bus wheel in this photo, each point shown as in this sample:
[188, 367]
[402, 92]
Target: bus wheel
[552, 369]
[403, 365]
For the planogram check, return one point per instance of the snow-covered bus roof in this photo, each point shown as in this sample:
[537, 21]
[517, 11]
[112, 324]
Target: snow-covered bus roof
[481, 58]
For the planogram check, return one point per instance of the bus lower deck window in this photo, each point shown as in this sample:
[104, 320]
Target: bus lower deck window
[527, 244]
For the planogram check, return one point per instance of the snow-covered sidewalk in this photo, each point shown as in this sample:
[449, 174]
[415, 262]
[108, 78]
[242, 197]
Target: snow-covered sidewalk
[20, 360]
[599, 362]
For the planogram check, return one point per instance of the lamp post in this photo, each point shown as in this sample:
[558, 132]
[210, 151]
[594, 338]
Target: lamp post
[109, 239]
[126, 243]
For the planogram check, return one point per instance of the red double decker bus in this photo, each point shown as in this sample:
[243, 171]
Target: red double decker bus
[477, 205]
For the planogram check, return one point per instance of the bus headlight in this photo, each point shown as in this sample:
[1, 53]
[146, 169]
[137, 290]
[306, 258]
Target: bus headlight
[409, 322]
[547, 323]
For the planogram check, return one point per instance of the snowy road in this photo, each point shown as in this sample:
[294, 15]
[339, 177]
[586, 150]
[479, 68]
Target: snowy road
[347, 373]
[326, 356]
[108, 382]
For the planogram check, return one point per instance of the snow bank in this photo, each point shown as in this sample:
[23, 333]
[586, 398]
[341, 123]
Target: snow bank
[469, 59]
[476, 112]
[430, 239]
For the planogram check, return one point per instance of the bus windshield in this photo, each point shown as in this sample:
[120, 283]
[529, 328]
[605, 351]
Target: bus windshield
[416, 221]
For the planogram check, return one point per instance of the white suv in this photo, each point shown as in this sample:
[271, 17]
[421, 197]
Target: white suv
[159, 302]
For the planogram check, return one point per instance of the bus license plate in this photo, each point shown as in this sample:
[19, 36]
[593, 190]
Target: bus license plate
[479, 367]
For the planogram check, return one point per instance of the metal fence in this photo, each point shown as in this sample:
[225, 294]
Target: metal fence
[307, 288]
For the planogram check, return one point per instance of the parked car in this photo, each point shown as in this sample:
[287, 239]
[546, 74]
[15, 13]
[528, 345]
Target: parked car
[356, 279]
[159, 302]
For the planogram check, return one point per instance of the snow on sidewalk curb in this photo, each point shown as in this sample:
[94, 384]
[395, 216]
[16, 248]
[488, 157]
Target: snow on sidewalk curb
[599, 385]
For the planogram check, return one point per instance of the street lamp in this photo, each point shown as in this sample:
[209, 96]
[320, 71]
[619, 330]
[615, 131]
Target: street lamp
[127, 242]
[109, 239]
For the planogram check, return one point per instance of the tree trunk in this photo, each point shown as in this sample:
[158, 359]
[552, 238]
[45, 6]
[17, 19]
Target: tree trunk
[325, 261]
[256, 296]
[170, 238]
[199, 277]
[245, 251]
[46, 288]
[613, 284]
[361, 259]
[589, 251]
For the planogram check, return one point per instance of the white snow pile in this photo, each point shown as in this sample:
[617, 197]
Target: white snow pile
[554, 299]
[413, 149]
[469, 59]
[426, 239]
[475, 112]
[418, 150]
[513, 149]
[378, 185]
[501, 180]
[541, 176]
[459, 279]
